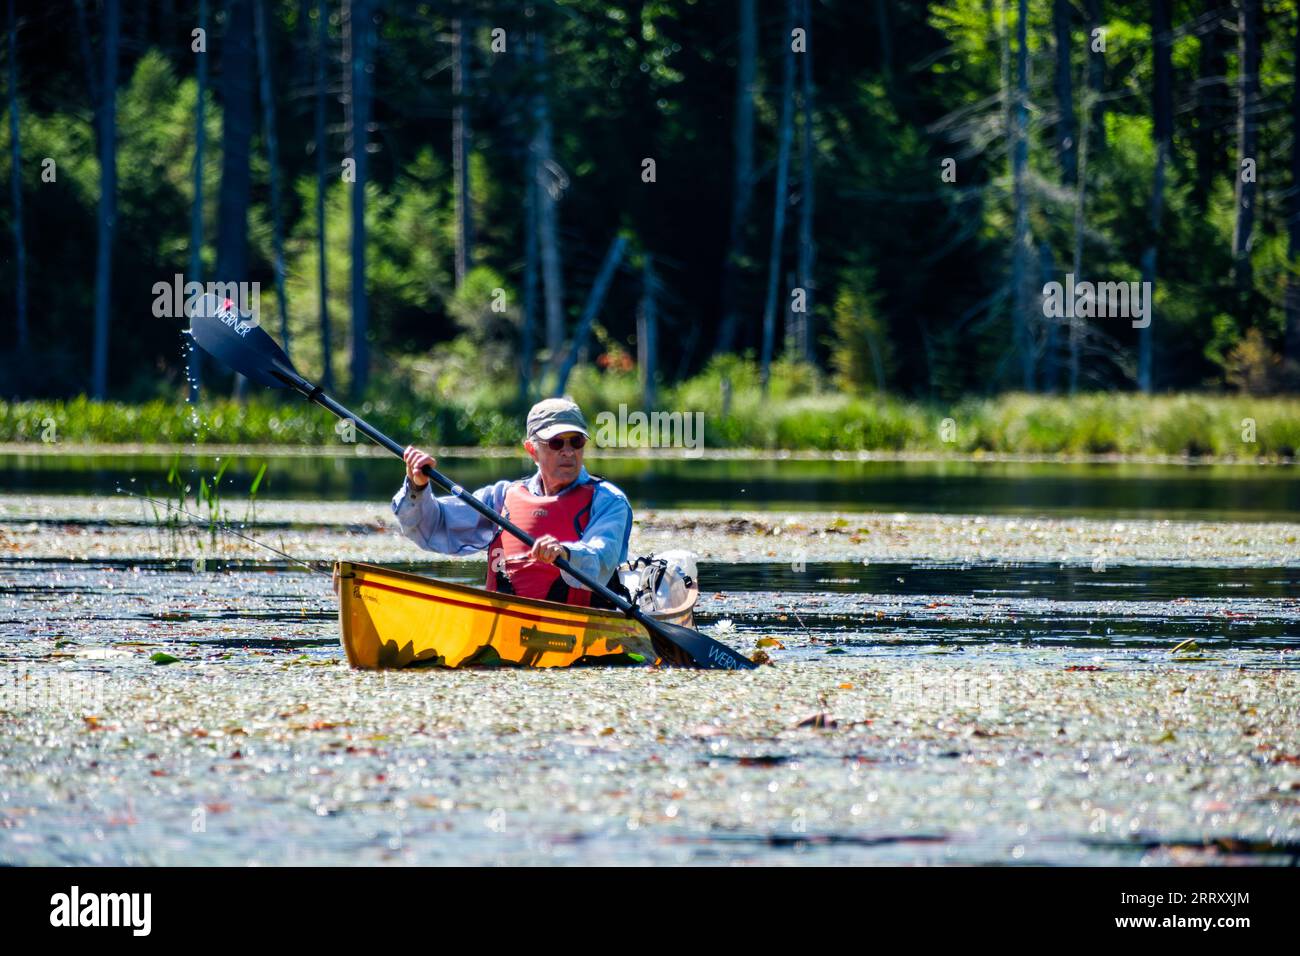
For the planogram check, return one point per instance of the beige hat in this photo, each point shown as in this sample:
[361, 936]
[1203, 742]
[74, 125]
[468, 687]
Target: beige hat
[555, 416]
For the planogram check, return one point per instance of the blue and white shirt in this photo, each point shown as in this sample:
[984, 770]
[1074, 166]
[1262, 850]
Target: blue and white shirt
[449, 526]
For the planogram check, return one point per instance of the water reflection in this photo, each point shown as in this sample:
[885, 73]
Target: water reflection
[1218, 492]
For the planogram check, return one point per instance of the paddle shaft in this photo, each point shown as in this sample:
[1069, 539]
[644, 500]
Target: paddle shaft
[315, 394]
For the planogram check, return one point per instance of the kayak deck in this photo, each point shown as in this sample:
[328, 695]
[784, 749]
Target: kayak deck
[396, 619]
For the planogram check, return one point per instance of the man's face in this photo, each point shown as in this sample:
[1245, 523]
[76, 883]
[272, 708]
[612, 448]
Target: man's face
[559, 467]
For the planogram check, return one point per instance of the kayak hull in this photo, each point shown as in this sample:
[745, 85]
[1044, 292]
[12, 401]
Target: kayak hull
[391, 619]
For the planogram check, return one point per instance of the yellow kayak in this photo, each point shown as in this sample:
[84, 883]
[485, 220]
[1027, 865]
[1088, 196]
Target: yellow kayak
[395, 619]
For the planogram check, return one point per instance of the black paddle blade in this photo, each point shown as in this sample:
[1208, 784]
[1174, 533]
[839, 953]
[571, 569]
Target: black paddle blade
[239, 343]
[682, 647]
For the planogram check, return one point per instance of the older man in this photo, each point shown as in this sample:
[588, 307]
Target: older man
[571, 514]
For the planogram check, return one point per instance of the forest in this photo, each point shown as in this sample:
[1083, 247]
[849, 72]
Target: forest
[444, 199]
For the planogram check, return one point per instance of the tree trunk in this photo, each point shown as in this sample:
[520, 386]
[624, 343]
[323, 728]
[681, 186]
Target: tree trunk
[107, 121]
[1051, 348]
[1065, 134]
[528, 332]
[1096, 75]
[262, 31]
[549, 185]
[595, 299]
[792, 336]
[1076, 328]
[195, 373]
[15, 176]
[781, 196]
[1163, 129]
[1210, 86]
[807, 194]
[359, 42]
[236, 138]
[1248, 142]
[1020, 201]
[1292, 341]
[742, 179]
[1163, 96]
[345, 63]
[461, 140]
[647, 336]
[326, 345]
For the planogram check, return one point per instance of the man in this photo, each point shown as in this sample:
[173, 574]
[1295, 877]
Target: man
[570, 513]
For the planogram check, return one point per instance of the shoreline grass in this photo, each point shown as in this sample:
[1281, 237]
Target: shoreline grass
[1095, 424]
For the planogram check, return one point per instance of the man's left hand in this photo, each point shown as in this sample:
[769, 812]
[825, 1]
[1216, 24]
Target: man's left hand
[547, 549]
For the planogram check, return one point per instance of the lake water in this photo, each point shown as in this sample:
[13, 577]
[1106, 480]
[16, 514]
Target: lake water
[1002, 712]
[1213, 492]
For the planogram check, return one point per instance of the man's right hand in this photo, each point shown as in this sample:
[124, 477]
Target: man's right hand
[415, 461]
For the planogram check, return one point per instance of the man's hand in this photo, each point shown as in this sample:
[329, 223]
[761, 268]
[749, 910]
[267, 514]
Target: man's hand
[547, 549]
[415, 461]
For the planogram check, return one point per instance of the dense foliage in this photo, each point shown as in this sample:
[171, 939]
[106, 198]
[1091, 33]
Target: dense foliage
[912, 274]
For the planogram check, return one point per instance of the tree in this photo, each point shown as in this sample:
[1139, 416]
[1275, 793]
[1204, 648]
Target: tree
[461, 140]
[1162, 111]
[106, 121]
[781, 197]
[195, 359]
[647, 334]
[595, 299]
[1247, 142]
[15, 177]
[1076, 327]
[322, 52]
[1211, 84]
[1292, 340]
[359, 31]
[528, 330]
[263, 29]
[550, 184]
[532, 256]
[234, 196]
[742, 178]
[926, 192]
[1096, 81]
[807, 248]
[1019, 115]
[1051, 365]
[1065, 135]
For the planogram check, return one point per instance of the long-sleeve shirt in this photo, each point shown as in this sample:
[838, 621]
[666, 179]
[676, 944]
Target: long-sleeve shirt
[449, 526]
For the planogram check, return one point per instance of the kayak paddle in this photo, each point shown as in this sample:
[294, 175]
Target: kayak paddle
[246, 348]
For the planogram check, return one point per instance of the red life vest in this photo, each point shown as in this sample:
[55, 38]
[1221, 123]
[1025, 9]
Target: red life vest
[565, 517]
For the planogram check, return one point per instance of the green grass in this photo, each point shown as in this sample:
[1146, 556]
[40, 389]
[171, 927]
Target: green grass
[800, 412]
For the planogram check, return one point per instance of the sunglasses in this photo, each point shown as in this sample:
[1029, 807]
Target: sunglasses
[576, 442]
